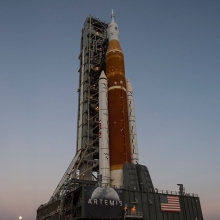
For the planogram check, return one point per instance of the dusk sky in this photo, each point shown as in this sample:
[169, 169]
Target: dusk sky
[172, 58]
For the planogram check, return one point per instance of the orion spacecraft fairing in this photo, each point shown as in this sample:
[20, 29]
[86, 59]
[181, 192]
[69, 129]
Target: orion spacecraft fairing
[117, 127]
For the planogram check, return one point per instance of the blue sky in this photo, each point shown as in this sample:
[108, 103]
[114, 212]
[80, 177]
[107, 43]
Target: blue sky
[171, 51]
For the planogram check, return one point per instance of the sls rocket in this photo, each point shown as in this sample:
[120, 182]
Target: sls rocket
[117, 132]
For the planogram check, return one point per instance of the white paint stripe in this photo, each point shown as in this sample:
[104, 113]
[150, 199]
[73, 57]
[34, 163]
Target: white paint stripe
[117, 87]
[114, 51]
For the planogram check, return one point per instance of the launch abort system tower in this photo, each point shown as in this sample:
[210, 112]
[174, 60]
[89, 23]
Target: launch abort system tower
[104, 179]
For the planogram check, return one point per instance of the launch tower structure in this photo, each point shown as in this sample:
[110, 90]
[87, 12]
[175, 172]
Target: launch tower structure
[85, 164]
[92, 60]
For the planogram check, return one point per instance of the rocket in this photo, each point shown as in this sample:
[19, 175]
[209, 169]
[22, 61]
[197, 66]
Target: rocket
[103, 131]
[117, 129]
[119, 138]
[132, 124]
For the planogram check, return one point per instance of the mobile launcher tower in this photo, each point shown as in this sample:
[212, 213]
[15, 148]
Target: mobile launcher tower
[104, 179]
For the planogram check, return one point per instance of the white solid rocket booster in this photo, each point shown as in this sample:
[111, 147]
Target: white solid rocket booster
[104, 160]
[132, 124]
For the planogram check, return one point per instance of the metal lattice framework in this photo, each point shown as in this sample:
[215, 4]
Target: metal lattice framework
[85, 164]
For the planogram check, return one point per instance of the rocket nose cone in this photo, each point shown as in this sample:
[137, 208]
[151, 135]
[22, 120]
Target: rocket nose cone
[102, 75]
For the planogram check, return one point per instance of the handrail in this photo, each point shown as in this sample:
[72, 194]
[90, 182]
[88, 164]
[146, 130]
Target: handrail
[129, 214]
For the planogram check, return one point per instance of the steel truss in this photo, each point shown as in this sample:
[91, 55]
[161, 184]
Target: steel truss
[85, 164]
